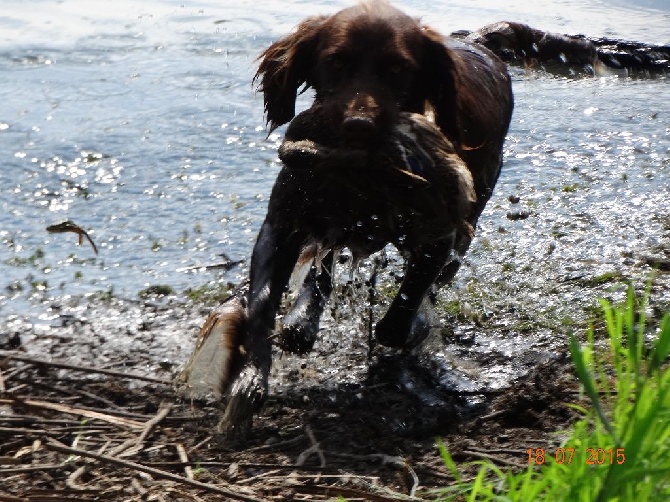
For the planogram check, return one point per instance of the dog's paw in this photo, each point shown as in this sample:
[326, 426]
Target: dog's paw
[247, 394]
[300, 326]
[298, 335]
[402, 335]
[419, 330]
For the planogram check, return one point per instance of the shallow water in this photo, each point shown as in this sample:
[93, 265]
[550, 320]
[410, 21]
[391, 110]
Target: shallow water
[140, 124]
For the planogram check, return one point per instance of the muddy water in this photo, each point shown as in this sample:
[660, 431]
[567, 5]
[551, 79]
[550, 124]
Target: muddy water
[140, 124]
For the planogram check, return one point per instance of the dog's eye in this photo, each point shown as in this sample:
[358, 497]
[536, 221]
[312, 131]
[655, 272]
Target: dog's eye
[336, 63]
[396, 68]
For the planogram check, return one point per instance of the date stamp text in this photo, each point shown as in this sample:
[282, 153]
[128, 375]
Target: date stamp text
[591, 456]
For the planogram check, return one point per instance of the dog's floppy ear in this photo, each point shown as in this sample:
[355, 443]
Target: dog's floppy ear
[285, 66]
[439, 83]
[471, 107]
[453, 90]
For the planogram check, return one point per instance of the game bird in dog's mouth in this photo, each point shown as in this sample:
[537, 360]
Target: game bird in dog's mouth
[402, 145]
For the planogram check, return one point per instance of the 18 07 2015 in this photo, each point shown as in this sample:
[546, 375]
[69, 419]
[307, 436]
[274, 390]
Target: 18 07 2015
[592, 456]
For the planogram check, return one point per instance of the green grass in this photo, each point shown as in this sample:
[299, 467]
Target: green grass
[620, 449]
[604, 278]
[210, 294]
[33, 260]
[156, 290]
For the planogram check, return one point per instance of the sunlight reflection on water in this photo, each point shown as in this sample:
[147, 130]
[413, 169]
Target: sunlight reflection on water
[139, 122]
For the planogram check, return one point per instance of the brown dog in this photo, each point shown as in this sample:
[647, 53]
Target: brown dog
[362, 171]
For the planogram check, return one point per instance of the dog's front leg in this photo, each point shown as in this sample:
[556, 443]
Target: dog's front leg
[301, 324]
[404, 325]
[272, 261]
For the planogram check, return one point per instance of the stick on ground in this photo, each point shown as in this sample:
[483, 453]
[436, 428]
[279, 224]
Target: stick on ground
[85, 369]
[54, 445]
[71, 410]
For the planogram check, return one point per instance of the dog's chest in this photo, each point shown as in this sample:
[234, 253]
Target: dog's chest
[357, 210]
[408, 189]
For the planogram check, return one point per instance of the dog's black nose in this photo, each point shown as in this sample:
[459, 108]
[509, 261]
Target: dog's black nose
[358, 129]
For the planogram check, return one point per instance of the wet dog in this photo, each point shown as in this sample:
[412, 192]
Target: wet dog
[402, 145]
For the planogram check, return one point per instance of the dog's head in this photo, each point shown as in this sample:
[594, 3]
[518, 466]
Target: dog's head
[366, 64]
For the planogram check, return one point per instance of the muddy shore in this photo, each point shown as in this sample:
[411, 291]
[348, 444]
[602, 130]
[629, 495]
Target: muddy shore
[492, 381]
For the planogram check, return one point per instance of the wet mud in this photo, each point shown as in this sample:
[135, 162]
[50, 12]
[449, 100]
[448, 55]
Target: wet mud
[351, 418]
[353, 422]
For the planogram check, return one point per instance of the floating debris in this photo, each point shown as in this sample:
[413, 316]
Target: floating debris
[69, 226]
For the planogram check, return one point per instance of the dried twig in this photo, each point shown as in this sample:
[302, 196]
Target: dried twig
[7, 376]
[181, 451]
[86, 369]
[181, 493]
[9, 460]
[66, 423]
[71, 226]
[53, 430]
[415, 480]
[225, 265]
[315, 448]
[71, 481]
[280, 444]
[269, 475]
[139, 489]
[71, 410]
[504, 451]
[385, 459]
[10, 498]
[493, 415]
[197, 446]
[32, 468]
[69, 391]
[162, 413]
[54, 445]
[380, 457]
[344, 491]
[148, 426]
[247, 465]
[31, 432]
[189, 463]
[493, 458]
[315, 477]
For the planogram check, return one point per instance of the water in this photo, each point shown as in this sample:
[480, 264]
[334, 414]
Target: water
[140, 124]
